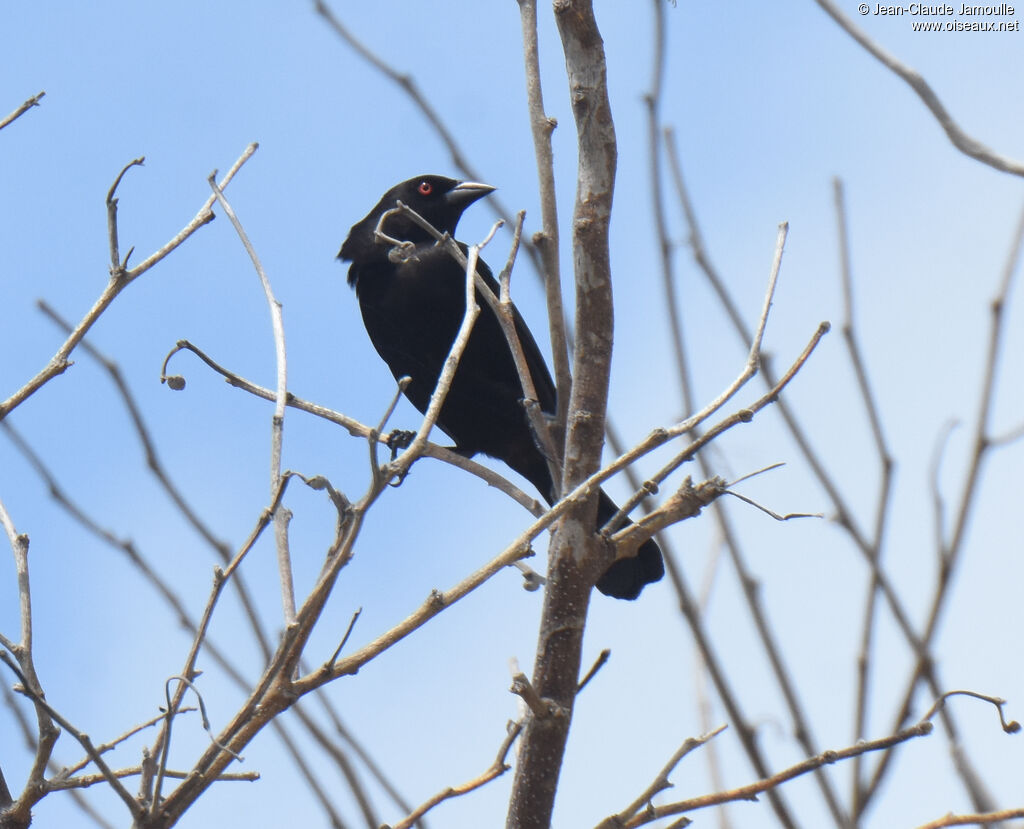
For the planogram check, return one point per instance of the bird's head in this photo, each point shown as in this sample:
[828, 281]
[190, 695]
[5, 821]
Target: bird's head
[437, 199]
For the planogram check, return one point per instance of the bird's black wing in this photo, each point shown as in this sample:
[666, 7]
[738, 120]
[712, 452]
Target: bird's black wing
[412, 311]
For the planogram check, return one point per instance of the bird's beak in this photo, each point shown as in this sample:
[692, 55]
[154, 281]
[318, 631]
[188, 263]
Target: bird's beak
[465, 193]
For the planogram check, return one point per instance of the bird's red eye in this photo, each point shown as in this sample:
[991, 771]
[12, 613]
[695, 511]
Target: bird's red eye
[425, 188]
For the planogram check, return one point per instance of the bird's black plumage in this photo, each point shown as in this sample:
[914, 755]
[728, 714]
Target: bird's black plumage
[412, 306]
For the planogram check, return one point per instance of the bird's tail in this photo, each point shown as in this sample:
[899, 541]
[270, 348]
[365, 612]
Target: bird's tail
[628, 576]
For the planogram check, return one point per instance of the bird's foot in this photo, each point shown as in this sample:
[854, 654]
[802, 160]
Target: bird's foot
[397, 440]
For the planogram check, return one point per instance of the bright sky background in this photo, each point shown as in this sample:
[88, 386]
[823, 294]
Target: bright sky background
[769, 102]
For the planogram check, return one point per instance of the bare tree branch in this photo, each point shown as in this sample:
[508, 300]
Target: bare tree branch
[30, 688]
[408, 85]
[980, 819]
[19, 815]
[495, 770]
[159, 470]
[547, 240]
[119, 280]
[750, 369]
[884, 489]
[354, 427]
[284, 564]
[21, 661]
[25, 107]
[952, 548]
[752, 790]
[652, 100]
[748, 583]
[749, 792]
[178, 606]
[961, 140]
[660, 782]
[845, 514]
[557, 667]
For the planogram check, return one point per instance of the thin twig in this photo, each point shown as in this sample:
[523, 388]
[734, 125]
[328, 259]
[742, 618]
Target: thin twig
[961, 140]
[1009, 436]
[1008, 726]
[938, 501]
[661, 781]
[117, 267]
[523, 688]
[652, 100]
[702, 681]
[371, 765]
[136, 558]
[21, 809]
[276, 691]
[922, 728]
[507, 313]
[19, 546]
[110, 745]
[284, 564]
[84, 781]
[696, 239]
[25, 107]
[977, 819]
[752, 790]
[408, 85]
[546, 241]
[59, 363]
[952, 549]
[22, 653]
[204, 216]
[661, 436]
[220, 579]
[400, 466]
[844, 513]
[31, 690]
[341, 759]
[354, 427]
[159, 470]
[171, 712]
[496, 769]
[602, 659]
[750, 368]
[434, 604]
[127, 547]
[886, 464]
[752, 596]
[778, 516]
[373, 439]
[344, 639]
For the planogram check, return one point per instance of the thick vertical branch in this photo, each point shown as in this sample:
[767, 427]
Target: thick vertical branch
[584, 55]
[571, 568]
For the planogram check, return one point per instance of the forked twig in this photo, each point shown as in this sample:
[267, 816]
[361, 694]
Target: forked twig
[922, 728]
[660, 782]
[120, 280]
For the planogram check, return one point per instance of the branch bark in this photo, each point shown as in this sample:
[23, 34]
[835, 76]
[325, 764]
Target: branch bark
[574, 561]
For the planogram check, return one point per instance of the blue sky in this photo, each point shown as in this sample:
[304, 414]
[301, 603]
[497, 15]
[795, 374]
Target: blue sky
[769, 103]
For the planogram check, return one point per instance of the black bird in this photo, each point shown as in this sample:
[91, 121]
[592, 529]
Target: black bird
[412, 307]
